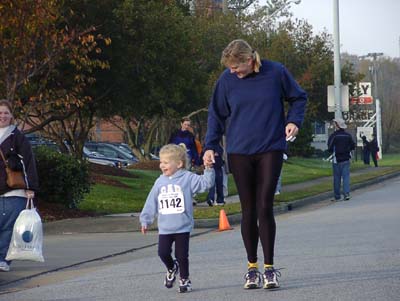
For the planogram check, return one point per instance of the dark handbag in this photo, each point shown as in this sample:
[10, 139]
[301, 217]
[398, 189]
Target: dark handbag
[15, 179]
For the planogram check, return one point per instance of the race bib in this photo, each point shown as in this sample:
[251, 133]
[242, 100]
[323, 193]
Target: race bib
[171, 200]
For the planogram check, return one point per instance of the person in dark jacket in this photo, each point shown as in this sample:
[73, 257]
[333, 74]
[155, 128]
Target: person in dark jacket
[365, 149]
[15, 147]
[340, 144]
[216, 193]
[184, 135]
[374, 149]
[247, 106]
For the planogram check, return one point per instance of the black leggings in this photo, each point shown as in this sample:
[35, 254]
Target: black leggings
[256, 177]
[181, 240]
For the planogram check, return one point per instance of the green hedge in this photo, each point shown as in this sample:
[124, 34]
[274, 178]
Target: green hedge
[62, 178]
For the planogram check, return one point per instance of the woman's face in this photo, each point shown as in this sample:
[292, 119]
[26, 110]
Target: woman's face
[5, 116]
[185, 126]
[241, 69]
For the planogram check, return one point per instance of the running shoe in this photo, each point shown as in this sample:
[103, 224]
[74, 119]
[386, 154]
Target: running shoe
[253, 279]
[271, 278]
[185, 286]
[171, 275]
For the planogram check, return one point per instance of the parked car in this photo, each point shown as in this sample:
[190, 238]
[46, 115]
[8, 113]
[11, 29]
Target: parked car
[98, 158]
[125, 147]
[47, 143]
[110, 151]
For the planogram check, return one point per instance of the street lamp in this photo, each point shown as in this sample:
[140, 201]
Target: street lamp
[336, 60]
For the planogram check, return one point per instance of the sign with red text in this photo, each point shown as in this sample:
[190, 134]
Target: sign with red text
[365, 98]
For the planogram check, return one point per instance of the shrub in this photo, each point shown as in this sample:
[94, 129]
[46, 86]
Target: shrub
[62, 178]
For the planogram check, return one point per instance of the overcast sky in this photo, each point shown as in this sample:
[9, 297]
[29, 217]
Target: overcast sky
[365, 25]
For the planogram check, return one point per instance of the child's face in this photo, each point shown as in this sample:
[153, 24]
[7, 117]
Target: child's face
[169, 165]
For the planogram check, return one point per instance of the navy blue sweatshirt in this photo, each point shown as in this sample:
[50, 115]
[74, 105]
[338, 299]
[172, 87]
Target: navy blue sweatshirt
[186, 138]
[340, 144]
[251, 111]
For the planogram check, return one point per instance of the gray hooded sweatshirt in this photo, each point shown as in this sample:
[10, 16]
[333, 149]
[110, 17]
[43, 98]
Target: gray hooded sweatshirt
[171, 199]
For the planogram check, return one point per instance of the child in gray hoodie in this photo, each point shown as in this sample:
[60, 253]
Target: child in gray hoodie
[171, 199]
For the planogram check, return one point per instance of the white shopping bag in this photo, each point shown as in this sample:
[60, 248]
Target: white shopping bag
[27, 238]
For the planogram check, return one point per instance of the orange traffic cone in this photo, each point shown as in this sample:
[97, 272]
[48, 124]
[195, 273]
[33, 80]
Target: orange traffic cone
[223, 221]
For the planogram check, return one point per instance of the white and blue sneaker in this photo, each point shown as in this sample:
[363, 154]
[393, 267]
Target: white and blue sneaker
[170, 277]
[185, 286]
[271, 278]
[253, 279]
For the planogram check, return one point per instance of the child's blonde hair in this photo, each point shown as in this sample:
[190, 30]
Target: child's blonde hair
[176, 153]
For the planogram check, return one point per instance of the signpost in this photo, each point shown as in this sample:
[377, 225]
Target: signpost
[344, 100]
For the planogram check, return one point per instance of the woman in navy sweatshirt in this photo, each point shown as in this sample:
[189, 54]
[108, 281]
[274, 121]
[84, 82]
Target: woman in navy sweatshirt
[247, 106]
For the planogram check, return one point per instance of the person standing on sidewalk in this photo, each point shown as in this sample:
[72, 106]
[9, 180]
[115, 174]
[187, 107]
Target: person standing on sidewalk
[171, 199]
[340, 145]
[250, 94]
[374, 149]
[12, 201]
[216, 193]
[365, 149]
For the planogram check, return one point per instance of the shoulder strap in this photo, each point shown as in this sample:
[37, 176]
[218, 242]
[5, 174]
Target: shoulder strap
[4, 159]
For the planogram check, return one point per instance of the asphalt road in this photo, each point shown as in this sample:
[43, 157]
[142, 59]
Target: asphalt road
[335, 251]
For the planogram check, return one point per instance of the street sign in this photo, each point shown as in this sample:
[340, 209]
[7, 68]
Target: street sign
[365, 98]
[366, 131]
[362, 100]
[344, 101]
[358, 116]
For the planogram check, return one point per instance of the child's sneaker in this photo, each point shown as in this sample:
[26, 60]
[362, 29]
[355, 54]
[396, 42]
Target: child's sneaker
[171, 275]
[253, 279]
[271, 278]
[185, 286]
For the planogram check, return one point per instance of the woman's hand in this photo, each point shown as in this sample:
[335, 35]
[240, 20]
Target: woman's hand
[291, 131]
[208, 158]
[30, 194]
[144, 230]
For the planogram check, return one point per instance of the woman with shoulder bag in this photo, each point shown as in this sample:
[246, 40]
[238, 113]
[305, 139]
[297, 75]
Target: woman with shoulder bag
[18, 154]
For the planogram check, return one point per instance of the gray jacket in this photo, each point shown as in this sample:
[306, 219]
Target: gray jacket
[171, 199]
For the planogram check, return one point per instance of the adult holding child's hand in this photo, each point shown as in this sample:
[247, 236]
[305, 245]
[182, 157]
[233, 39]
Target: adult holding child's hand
[247, 106]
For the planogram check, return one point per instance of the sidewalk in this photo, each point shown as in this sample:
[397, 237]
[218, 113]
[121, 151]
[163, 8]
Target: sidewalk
[74, 242]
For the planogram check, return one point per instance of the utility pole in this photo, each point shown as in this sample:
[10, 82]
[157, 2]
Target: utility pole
[374, 71]
[336, 59]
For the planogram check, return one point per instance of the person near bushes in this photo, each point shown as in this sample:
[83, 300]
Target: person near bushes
[247, 106]
[171, 200]
[340, 145]
[185, 135]
[18, 152]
